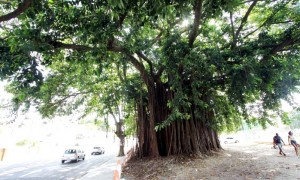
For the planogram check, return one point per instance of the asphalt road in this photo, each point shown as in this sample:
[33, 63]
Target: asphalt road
[53, 168]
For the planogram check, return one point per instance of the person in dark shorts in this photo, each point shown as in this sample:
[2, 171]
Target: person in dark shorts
[277, 139]
[293, 142]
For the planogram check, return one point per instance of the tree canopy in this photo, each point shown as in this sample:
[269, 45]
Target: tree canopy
[201, 62]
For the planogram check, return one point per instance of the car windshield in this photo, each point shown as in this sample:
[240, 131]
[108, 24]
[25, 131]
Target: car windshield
[70, 151]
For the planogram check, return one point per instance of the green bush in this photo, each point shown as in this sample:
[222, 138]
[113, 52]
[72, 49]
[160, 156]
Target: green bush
[26, 142]
[22, 142]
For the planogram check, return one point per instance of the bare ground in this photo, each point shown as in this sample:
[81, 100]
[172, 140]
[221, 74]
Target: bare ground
[236, 162]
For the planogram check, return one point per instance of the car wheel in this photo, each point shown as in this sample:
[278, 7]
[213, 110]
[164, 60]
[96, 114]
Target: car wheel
[236, 141]
[83, 157]
[92, 153]
[62, 161]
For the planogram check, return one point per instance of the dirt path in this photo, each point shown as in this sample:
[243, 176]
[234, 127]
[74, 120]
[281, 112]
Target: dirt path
[247, 161]
[236, 162]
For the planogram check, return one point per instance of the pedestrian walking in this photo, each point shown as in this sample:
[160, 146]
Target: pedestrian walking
[274, 143]
[278, 140]
[293, 142]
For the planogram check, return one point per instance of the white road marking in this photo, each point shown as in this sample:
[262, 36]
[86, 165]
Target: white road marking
[32, 172]
[14, 170]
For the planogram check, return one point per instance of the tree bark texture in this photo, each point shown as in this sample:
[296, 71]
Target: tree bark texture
[192, 136]
[120, 133]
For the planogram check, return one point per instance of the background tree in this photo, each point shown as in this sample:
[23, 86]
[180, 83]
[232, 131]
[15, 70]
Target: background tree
[293, 119]
[74, 88]
[201, 62]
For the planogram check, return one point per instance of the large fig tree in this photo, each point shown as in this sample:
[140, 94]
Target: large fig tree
[201, 62]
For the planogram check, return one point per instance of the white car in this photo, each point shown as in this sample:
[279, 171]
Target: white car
[231, 140]
[73, 155]
[97, 150]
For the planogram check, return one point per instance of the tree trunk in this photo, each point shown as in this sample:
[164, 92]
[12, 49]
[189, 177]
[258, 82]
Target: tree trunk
[153, 146]
[183, 136]
[120, 133]
[147, 140]
[142, 123]
[121, 148]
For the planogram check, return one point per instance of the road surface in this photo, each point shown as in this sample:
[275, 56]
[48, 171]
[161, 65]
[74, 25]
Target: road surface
[53, 168]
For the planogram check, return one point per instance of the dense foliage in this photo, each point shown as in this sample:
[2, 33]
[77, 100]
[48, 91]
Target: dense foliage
[201, 62]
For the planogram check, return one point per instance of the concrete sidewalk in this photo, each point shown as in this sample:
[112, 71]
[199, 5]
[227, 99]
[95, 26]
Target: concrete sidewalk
[105, 171]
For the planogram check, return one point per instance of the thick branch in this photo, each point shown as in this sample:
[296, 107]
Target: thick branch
[197, 18]
[158, 37]
[161, 31]
[120, 21]
[243, 22]
[113, 115]
[281, 46]
[111, 46]
[232, 26]
[22, 7]
[119, 74]
[64, 98]
[60, 45]
[141, 55]
[269, 19]
[285, 22]
[139, 66]
[160, 71]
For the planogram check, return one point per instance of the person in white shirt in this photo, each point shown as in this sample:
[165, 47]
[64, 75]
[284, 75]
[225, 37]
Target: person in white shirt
[293, 142]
